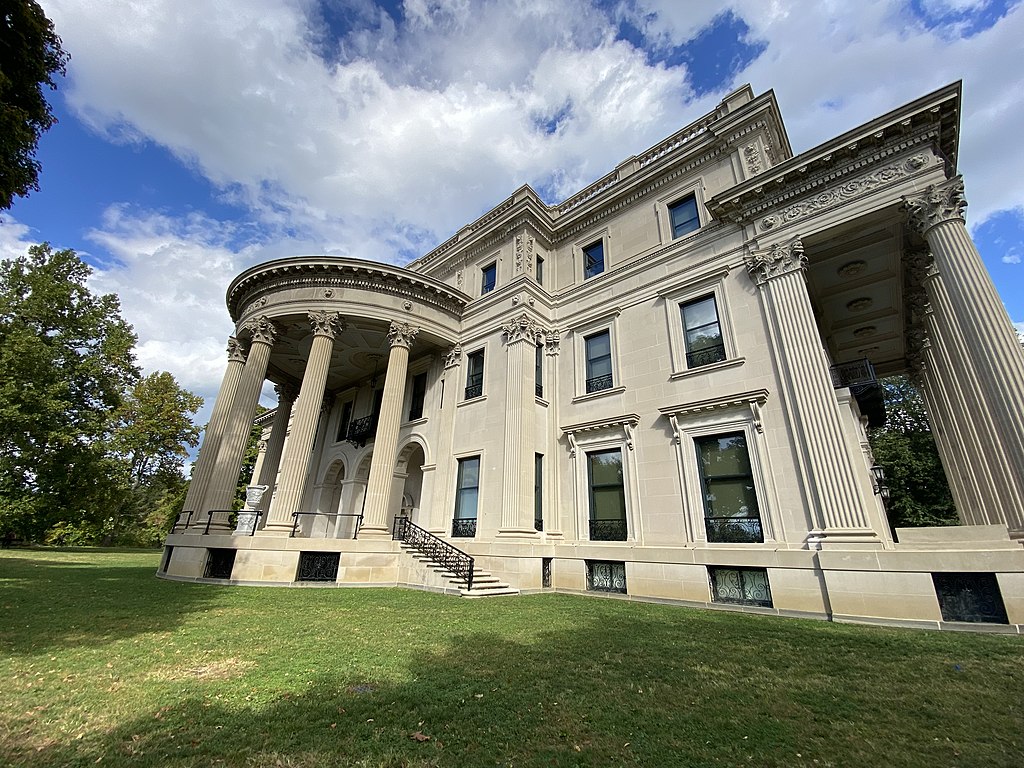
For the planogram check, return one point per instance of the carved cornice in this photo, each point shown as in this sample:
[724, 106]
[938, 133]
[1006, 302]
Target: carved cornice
[325, 323]
[402, 334]
[754, 399]
[261, 329]
[249, 291]
[236, 353]
[776, 260]
[627, 423]
[522, 328]
[939, 203]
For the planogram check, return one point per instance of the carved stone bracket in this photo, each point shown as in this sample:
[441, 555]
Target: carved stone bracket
[325, 323]
[524, 253]
[261, 329]
[777, 259]
[552, 340]
[937, 204]
[236, 354]
[453, 357]
[402, 334]
[522, 328]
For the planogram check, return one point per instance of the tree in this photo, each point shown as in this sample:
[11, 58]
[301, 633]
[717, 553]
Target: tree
[905, 448]
[30, 57]
[65, 360]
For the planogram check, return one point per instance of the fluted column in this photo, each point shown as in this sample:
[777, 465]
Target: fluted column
[207, 457]
[441, 503]
[517, 504]
[238, 424]
[839, 510]
[275, 444]
[385, 444]
[975, 315]
[298, 450]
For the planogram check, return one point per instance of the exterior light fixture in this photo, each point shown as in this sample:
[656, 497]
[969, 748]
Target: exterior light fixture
[881, 487]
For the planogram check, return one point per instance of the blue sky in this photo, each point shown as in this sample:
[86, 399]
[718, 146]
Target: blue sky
[194, 144]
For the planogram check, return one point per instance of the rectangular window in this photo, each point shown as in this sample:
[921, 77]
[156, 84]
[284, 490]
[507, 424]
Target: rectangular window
[593, 259]
[607, 496]
[419, 394]
[743, 586]
[538, 370]
[318, 566]
[540, 271]
[730, 502]
[604, 576]
[467, 492]
[488, 278]
[599, 361]
[545, 571]
[219, 563]
[345, 420]
[702, 332]
[682, 215]
[475, 374]
[538, 491]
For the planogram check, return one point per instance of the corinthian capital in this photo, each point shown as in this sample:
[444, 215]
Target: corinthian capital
[235, 352]
[325, 323]
[286, 393]
[261, 329]
[402, 334]
[777, 259]
[522, 328]
[938, 203]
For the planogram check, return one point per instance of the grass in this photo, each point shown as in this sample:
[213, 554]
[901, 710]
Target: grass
[101, 663]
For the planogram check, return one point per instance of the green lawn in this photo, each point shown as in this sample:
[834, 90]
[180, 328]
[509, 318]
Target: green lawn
[101, 663]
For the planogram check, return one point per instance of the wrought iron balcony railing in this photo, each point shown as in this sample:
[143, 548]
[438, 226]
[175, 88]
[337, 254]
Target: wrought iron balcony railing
[438, 550]
[608, 530]
[474, 386]
[599, 383]
[734, 530]
[463, 527]
[856, 373]
[361, 430]
[705, 356]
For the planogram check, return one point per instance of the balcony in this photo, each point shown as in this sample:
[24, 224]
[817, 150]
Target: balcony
[705, 356]
[608, 530]
[464, 528]
[362, 430]
[859, 376]
[599, 383]
[734, 530]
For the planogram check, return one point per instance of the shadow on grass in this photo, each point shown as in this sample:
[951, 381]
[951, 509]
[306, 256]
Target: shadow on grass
[619, 688]
[56, 599]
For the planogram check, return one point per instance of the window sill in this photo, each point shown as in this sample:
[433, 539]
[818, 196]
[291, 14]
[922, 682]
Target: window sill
[688, 372]
[602, 393]
[542, 401]
[415, 422]
[471, 400]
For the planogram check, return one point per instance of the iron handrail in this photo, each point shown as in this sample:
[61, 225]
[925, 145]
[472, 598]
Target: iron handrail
[295, 520]
[188, 520]
[437, 549]
[211, 513]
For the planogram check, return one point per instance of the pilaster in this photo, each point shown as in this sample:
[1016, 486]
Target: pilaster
[521, 338]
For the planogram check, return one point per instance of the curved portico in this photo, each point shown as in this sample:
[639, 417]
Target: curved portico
[317, 327]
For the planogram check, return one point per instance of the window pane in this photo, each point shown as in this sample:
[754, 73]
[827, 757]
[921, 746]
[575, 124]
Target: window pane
[593, 259]
[465, 503]
[599, 345]
[609, 504]
[731, 498]
[683, 215]
[469, 473]
[724, 455]
[698, 313]
[606, 468]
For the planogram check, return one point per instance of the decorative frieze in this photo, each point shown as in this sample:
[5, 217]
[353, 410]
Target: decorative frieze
[524, 253]
[753, 158]
[777, 259]
[939, 203]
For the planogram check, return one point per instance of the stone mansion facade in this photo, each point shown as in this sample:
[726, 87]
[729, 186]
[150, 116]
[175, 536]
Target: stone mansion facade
[657, 388]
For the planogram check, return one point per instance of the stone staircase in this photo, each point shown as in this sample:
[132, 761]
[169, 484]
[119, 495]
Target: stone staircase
[484, 583]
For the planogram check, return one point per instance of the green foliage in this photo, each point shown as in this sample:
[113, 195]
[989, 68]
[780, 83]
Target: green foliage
[905, 448]
[30, 57]
[89, 452]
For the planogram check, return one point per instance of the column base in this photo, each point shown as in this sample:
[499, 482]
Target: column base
[844, 538]
[375, 532]
[275, 529]
[517, 533]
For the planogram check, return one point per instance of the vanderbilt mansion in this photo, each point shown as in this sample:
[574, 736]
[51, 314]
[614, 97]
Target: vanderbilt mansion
[656, 389]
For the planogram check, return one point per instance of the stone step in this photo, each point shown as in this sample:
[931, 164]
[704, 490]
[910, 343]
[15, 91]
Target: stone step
[484, 583]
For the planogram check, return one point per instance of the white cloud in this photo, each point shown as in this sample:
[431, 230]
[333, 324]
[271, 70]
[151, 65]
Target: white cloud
[384, 142]
[15, 238]
[1011, 258]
